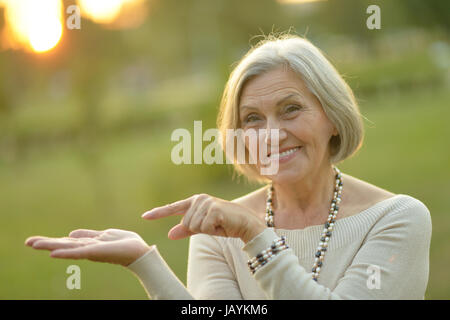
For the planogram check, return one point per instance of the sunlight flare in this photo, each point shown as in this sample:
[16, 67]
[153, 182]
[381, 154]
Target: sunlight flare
[32, 25]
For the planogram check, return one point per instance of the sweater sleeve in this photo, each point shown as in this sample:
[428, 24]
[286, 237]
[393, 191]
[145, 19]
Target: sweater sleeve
[157, 278]
[396, 249]
[209, 275]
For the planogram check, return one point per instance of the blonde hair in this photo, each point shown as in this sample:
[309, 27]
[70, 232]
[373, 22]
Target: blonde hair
[320, 77]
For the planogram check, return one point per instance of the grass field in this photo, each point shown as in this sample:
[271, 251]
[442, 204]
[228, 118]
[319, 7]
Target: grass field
[110, 182]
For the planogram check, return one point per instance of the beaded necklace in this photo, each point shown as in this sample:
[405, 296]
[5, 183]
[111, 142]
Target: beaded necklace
[328, 227]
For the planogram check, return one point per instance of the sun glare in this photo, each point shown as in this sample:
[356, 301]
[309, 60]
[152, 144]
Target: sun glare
[121, 14]
[37, 25]
[101, 11]
[33, 25]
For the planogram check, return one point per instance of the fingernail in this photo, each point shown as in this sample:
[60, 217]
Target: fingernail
[147, 214]
[54, 253]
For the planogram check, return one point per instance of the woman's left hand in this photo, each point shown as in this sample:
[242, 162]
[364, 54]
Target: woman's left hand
[203, 213]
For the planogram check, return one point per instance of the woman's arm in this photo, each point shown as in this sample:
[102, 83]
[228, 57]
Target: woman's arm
[404, 235]
[209, 275]
[157, 278]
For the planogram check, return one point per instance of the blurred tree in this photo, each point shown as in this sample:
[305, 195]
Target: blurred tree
[428, 14]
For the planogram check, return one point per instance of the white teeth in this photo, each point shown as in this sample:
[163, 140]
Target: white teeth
[285, 153]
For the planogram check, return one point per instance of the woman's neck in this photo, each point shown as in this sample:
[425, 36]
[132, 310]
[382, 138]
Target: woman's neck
[307, 196]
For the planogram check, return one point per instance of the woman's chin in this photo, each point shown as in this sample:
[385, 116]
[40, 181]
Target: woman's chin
[285, 175]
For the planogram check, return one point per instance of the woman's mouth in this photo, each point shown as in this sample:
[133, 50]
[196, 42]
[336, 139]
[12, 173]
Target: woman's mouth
[285, 155]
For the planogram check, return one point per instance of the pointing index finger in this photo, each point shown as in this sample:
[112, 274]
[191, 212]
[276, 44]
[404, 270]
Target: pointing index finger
[175, 208]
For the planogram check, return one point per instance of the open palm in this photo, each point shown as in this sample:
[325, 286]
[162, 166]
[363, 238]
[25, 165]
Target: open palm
[111, 245]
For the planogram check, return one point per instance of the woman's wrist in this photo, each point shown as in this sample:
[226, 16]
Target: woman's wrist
[140, 253]
[263, 257]
[252, 231]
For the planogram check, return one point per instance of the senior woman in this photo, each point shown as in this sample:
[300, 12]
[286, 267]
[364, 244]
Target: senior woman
[311, 232]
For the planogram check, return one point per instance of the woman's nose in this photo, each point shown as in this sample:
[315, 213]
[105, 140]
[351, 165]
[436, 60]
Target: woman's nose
[274, 134]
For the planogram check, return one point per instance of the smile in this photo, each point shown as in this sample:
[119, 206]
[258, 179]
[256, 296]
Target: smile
[284, 154]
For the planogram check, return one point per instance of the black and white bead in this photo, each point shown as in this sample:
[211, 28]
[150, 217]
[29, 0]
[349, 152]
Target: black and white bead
[266, 255]
[328, 226]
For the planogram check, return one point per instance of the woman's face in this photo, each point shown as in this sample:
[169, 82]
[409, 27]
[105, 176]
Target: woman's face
[279, 99]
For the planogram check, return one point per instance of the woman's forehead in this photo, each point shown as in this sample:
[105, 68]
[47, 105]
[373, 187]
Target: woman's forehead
[272, 86]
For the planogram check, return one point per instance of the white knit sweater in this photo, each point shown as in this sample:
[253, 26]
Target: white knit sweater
[379, 253]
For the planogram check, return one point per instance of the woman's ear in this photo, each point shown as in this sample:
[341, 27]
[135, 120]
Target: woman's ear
[335, 132]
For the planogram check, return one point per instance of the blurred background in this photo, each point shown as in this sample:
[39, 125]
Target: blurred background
[86, 117]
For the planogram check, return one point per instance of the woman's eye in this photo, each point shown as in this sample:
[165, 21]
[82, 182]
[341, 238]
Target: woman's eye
[292, 108]
[251, 118]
